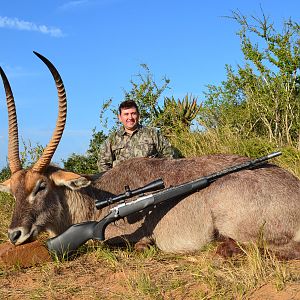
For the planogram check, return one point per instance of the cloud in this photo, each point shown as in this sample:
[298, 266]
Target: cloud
[16, 71]
[73, 4]
[15, 23]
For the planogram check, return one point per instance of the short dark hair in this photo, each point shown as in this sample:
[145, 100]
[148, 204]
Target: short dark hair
[128, 104]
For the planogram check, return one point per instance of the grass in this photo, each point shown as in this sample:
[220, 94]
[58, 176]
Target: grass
[106, 273]
[100, 272]
[6, 208]
[192, 144]
[157, 275]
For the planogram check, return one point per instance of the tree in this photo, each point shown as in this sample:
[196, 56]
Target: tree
[4, 173]
[146, 92]
[30, 154]
[28, 157]
[262, 97]
[86, 164]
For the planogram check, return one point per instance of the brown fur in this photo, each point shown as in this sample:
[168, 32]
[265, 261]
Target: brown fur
[244, 206]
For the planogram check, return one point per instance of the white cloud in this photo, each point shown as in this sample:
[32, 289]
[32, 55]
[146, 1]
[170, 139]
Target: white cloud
[15, 23]
[73, 4]
[76, 4]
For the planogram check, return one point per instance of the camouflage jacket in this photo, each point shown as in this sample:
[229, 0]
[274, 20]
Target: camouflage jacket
[144, 142]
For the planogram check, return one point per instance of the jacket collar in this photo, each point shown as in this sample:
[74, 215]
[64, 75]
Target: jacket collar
[123, 132]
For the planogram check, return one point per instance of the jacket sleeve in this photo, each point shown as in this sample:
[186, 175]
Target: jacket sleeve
[163, 146]
[105, 157]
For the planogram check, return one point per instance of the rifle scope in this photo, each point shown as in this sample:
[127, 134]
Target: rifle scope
[152, 186]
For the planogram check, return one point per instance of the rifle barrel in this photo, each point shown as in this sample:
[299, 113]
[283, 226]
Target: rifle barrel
[78, 234]
[246, 165]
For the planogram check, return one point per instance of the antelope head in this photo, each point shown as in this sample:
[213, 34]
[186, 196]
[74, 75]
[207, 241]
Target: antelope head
[38, 190]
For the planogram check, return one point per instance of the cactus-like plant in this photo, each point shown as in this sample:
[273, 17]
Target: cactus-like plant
[176, 114]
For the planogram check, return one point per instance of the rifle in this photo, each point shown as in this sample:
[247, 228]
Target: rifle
[78, 234]
[152, 186]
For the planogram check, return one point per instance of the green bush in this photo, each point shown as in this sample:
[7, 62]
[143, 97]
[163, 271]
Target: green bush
[261, 97]
[86, 164]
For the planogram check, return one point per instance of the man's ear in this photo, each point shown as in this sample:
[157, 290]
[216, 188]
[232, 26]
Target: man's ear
[69, 179]
[5, 186]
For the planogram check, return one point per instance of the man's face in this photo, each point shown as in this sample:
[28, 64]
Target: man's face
[129, 117]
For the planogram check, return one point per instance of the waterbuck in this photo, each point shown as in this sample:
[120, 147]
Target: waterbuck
[243, 206]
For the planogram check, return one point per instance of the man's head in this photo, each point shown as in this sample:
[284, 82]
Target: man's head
[129, 115]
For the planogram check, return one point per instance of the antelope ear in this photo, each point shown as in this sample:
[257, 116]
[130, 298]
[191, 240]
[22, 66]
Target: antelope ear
[69, 179]
[5, 186]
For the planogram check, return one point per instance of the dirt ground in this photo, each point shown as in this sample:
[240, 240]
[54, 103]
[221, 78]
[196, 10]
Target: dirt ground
[123, 274]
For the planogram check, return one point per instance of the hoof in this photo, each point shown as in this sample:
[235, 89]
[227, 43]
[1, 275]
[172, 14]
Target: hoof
[142, 245]
[228, 248]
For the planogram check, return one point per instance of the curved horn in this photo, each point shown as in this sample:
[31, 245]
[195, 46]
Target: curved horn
[46, 157]
[13, 139]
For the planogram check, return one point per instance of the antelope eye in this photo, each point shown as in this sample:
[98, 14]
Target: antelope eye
[40, 186]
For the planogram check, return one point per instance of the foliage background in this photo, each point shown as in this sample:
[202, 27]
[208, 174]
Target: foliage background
[253, 112]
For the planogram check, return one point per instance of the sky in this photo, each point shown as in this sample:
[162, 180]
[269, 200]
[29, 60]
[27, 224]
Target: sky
[98, 46]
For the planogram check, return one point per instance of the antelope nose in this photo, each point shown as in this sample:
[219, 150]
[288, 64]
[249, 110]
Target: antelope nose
[14, 235]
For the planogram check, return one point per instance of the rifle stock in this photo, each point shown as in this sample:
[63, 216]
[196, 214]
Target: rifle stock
[78, 234]
[71, 239]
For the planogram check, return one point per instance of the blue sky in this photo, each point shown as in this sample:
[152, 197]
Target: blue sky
[98, 46]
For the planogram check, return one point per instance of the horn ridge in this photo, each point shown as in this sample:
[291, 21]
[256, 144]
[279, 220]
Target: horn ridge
[13, 139]
[49, 151]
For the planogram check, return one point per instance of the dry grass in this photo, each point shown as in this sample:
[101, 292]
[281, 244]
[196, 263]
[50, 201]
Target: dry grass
[6, 207]
[192, 144]
[103, 273]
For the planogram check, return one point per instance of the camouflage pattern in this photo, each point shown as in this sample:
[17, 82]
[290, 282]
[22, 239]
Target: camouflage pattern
[144, 142]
